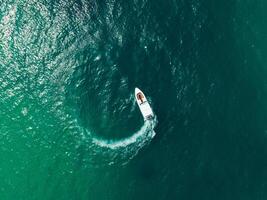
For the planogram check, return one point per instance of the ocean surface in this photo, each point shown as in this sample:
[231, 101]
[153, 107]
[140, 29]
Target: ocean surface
[70, 128]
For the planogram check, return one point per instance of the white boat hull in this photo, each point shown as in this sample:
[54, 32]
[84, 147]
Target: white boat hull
[143, 105]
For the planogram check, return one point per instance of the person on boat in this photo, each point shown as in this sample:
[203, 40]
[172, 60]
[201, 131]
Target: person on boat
[140, 97]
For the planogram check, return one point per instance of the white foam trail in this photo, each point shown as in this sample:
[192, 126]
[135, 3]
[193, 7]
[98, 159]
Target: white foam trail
[144, 134]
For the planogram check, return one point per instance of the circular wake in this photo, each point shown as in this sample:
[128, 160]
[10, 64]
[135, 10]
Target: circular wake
[110, 152]
[142, 136]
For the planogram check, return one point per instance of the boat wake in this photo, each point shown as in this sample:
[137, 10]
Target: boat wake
[120, 152]
[142, 136]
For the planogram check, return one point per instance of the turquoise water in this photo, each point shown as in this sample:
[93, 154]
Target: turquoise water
[69, 124]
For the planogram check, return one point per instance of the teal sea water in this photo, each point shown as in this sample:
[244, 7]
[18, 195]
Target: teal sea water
[69, 124]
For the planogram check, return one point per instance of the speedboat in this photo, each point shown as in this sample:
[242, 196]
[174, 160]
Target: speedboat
[143, 105]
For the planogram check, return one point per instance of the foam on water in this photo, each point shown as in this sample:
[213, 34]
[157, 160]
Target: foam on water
[146, 133]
